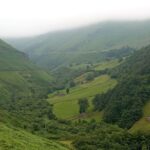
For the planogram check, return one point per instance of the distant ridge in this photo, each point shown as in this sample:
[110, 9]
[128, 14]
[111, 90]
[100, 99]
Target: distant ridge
[71, 46]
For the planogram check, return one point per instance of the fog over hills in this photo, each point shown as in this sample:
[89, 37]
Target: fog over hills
[71, 46]
[30, 17]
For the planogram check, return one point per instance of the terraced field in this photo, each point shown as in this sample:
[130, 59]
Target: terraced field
[66, 105]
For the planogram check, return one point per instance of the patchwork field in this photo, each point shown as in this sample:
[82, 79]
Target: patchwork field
[97, 66]
[66, 105]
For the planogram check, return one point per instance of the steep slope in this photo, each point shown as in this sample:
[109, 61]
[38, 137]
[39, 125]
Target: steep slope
[11, 59]
[75, 45]
[18, 75]
[123, 105]
[17, 139]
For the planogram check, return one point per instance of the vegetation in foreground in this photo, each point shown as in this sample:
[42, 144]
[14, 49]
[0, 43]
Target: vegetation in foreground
[16, 139]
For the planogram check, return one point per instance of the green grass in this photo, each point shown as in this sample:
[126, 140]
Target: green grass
[143, 124]
[66, 106]
[16, 139]
[107, 64]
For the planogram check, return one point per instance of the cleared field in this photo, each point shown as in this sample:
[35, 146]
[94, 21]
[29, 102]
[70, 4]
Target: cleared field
[16, 139]
[144, 123]
[66, 106]
[107, 64]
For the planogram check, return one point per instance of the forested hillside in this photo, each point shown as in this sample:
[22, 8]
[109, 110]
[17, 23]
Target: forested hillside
[123, 105]
[83, 44]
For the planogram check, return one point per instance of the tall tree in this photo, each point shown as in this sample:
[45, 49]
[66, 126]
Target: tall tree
[67, 90]
[83, 104]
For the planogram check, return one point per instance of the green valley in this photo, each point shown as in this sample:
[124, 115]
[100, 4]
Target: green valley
[80, 89]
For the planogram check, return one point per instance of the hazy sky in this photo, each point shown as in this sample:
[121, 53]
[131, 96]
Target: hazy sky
[31, 17]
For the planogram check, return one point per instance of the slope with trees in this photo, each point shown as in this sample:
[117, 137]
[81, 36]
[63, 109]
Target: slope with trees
[123, 104]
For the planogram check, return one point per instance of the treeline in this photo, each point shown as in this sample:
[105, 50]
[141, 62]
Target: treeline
[123, 104]
[107, 137]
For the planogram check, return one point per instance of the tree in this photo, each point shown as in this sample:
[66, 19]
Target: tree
[83, 104]
[67, 90]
